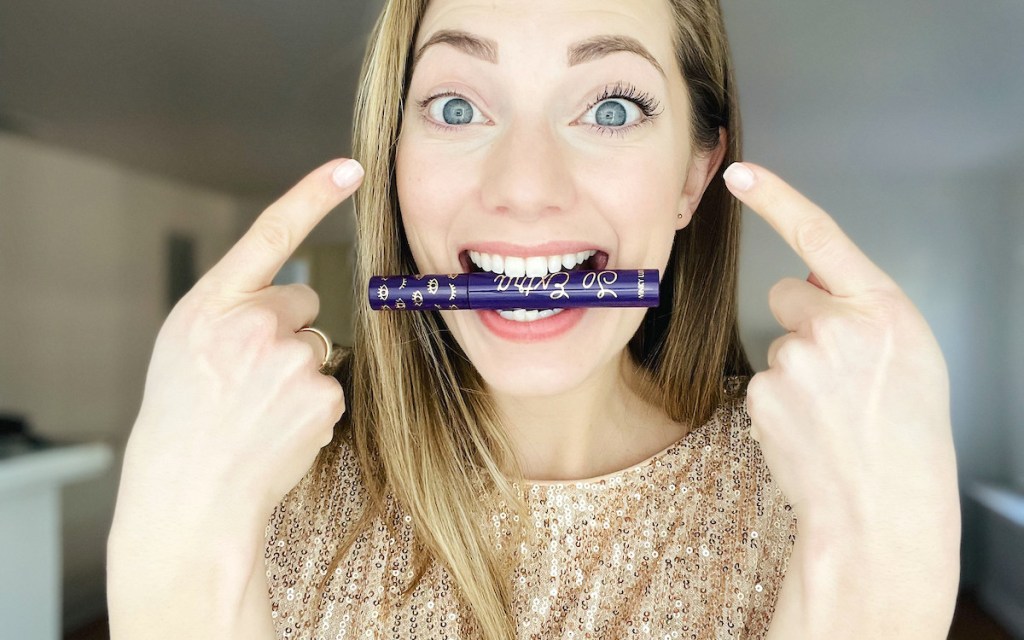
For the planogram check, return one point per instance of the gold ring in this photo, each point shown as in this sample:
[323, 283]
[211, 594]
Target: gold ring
[327, 345]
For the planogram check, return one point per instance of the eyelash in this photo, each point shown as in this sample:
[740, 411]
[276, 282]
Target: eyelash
[645, 101]
[647, 104]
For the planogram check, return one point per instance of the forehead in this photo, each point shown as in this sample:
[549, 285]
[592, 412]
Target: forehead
[554, 22]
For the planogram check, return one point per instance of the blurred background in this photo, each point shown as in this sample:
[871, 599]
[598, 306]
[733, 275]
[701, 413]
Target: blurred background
[139, 139]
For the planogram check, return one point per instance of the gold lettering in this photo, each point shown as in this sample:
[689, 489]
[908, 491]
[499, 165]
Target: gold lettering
[559, 291]
[601, 278]
[503, 282]
[527, 285]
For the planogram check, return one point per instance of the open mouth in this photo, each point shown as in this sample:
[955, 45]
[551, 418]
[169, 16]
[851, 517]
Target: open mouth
[473, 261]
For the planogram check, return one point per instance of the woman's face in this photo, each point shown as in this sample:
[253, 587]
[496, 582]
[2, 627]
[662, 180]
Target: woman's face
[533, 130]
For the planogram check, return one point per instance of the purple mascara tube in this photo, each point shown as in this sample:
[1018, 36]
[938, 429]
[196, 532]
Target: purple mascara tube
[483, 290]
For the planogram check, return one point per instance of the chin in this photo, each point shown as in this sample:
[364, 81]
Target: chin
[535, 379]
[547, 367]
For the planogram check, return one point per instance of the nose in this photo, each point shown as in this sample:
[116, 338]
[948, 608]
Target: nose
[526, 173]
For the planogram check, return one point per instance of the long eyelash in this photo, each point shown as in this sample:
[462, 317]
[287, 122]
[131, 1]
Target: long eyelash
[648, 105]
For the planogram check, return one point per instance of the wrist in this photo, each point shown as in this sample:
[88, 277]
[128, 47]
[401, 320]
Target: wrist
[182, 574]
[171, 538]
[167, 498]
[888, 573]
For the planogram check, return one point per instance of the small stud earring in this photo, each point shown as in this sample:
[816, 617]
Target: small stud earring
[679, 215]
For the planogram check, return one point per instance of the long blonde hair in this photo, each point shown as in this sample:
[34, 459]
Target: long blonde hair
[425, 433]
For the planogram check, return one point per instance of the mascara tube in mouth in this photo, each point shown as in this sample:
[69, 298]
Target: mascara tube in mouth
[483, 290]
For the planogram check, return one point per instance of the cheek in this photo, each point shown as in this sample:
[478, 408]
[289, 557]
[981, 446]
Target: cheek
[430, 192]
[637, 191]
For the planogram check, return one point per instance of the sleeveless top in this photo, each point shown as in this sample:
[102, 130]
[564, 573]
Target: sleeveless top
[691, 543]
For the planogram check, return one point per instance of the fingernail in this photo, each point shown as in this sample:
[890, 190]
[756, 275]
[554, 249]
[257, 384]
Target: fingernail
[347, 173]
[739, 176]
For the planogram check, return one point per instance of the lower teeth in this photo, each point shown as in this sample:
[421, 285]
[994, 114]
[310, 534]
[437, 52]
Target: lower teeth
[522, 315]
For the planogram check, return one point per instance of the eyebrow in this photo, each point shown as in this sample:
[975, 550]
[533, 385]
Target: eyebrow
[476, 46]
[578, 52]
[600, 46]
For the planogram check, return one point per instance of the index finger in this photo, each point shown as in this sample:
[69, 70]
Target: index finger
[833, 257]
[259, 254]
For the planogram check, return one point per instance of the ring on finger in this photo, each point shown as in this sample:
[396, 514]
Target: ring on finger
[328, 345]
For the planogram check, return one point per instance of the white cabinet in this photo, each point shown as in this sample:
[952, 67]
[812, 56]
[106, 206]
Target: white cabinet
[30, 544]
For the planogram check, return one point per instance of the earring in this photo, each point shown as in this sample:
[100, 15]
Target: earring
[679, 215]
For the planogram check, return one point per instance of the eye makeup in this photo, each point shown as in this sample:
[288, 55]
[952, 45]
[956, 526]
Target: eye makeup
[647, 103]
[649, 107]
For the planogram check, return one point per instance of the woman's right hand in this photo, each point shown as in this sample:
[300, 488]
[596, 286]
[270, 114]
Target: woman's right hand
[235, 409]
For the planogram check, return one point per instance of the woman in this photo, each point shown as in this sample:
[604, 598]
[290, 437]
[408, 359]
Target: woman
[588, 474]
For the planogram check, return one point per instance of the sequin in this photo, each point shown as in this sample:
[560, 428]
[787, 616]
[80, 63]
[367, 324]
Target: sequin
[692, 543]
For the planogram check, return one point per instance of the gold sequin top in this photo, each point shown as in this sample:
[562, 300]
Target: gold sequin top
[691, 543]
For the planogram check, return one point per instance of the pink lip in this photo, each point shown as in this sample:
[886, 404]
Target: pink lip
[547, 249]
[544, 329]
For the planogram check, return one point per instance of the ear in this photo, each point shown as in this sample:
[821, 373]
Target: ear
[701, 171]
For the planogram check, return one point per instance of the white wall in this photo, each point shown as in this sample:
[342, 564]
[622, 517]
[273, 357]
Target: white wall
[82, 296]
[902, 120]
[1013, 280]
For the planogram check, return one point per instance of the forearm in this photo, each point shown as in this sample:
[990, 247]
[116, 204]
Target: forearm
[254, 618]
[845, 583]
[157, 589]
[180, 558]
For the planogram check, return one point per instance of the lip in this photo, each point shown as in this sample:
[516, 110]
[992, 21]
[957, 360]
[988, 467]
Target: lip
[536, 331]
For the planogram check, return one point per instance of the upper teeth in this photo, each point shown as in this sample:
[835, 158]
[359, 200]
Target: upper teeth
[534, 266]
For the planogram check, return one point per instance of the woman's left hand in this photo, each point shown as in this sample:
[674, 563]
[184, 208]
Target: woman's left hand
[852, 414]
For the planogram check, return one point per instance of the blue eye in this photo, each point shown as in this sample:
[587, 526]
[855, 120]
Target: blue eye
[610, 114]
[620, 108]
[457, 111]
[613, 113]
[449, 110]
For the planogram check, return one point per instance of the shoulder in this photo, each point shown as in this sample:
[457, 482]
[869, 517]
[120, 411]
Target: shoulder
[327, 499]
[727, 433]
[767, 512]
[305, 529]
[743, 460]
[735, 426]
[722, 451]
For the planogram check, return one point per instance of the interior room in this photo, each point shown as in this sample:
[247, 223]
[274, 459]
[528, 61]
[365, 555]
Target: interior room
[139, 139]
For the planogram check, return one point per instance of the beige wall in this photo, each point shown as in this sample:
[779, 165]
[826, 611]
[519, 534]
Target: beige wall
[82, 277]
[329, 258]
[331, 276]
